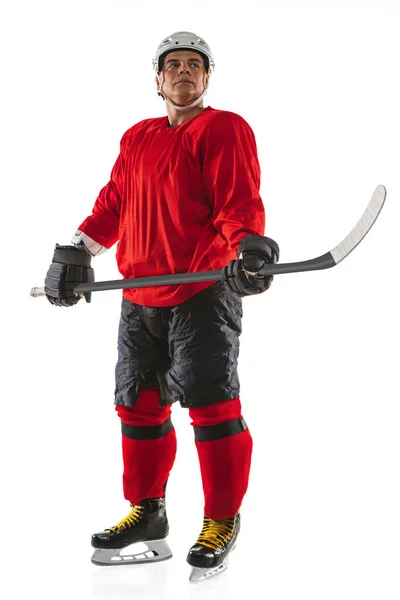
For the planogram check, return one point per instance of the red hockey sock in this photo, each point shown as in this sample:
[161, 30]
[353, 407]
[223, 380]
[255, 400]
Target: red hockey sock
[148, 446]
[224, 446]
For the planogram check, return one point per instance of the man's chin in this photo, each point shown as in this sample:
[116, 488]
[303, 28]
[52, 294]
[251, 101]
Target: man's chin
[183, 99]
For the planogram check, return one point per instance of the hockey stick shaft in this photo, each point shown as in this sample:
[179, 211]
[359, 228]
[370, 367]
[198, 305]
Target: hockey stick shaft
[325, 261]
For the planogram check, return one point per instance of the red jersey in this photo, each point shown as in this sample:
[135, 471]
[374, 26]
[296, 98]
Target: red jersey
[179, 200]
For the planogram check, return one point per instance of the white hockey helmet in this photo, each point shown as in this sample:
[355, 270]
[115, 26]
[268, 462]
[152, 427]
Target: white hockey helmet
[183, 40]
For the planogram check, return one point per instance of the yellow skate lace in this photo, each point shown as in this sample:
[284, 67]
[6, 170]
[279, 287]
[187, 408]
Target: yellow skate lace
[216, 534]
[132, 519]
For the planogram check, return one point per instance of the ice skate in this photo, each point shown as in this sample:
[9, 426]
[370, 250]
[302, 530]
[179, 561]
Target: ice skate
[210, 554]
[147, 523]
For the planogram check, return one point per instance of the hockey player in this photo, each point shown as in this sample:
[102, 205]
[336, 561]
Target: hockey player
[183, 196]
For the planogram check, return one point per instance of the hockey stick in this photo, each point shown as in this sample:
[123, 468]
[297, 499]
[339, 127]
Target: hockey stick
[325, 261]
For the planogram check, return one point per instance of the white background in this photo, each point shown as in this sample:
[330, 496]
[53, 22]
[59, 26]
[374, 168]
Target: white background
[318, 83]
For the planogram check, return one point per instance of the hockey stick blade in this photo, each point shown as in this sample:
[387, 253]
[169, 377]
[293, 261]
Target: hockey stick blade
[325, 261]
[339, 252]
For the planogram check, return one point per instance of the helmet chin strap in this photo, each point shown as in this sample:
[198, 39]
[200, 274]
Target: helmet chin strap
[192, 104]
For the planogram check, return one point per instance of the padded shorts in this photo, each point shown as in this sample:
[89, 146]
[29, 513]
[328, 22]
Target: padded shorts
[188, 351]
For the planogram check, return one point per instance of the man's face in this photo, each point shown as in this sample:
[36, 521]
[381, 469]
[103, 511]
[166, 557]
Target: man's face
[183, 76]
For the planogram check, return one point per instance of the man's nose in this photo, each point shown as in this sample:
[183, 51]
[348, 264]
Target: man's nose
[184, 67]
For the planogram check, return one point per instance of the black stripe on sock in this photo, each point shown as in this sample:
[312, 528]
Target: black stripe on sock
[216, 432]
[145, 432]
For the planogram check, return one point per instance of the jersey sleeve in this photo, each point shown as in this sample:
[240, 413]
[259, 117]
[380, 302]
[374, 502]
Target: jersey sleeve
[103, 224]
[231, 173]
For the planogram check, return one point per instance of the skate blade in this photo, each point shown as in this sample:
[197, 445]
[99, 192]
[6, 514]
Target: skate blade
[158, 550]
[199, 574]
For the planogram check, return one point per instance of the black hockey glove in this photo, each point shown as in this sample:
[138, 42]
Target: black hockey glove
[70, 266]
[241, 275]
